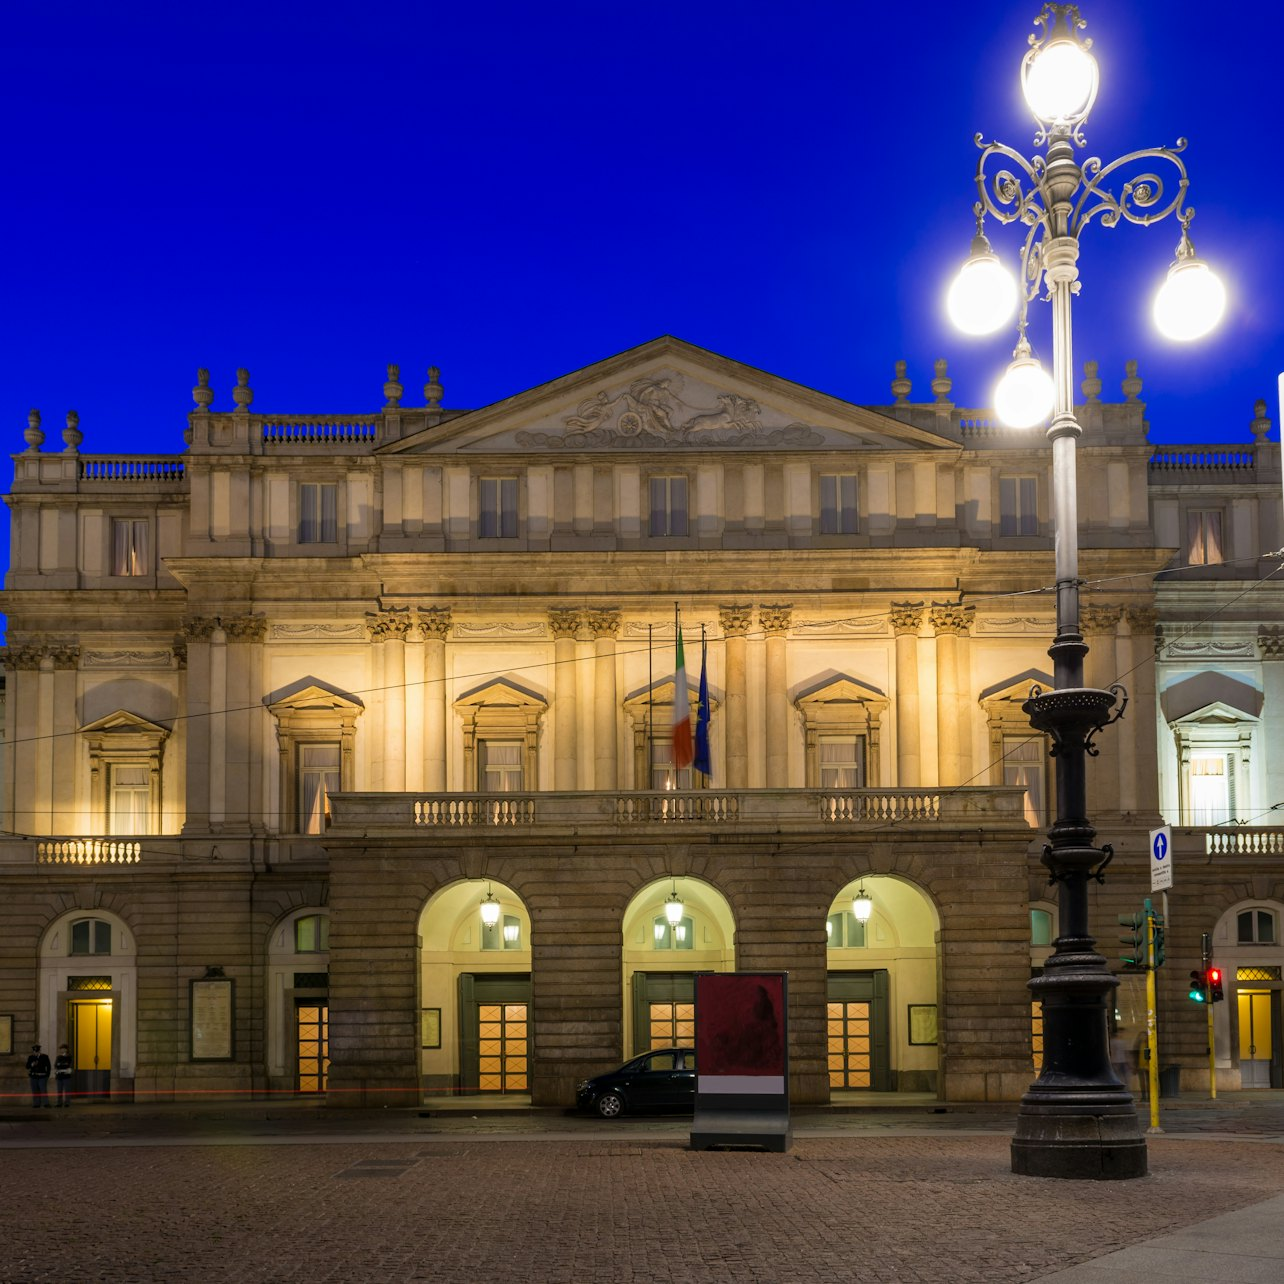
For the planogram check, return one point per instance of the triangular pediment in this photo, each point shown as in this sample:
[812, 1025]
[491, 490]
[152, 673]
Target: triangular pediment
[501, 693]
[311, 695]
[668, 396]
[124, 723]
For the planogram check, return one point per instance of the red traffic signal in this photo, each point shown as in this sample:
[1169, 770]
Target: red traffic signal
[1215, 994]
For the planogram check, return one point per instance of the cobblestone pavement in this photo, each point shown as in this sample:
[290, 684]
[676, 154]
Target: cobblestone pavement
[280, 1195]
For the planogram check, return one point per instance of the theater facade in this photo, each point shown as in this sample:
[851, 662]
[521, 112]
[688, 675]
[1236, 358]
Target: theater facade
[338, 751]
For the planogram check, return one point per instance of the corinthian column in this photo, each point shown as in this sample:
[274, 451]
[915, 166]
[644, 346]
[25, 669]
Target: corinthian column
[907, 619]
[605, 625]
[775, 621]
[734, 622]
[390, 628]
[435, 623]
[951, 624]
[1104, 774]
[564, 624]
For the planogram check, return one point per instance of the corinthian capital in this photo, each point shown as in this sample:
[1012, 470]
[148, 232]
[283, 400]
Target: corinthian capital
[605, 623]
[907, 617]
[949, 618]
[776, 618]
[735, 621]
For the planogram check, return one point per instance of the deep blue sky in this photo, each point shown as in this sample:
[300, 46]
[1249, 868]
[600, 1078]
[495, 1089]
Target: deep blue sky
[512, 191]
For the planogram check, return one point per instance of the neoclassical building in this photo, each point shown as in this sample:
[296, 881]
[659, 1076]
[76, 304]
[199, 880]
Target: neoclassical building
[338, 758]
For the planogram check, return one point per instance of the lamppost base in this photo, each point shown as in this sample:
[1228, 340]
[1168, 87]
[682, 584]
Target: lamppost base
[1080, 1138]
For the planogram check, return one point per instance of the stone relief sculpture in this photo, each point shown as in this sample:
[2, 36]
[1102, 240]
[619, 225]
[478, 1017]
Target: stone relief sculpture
[651, 413]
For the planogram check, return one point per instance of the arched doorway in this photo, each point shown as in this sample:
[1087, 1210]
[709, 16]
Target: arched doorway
[88, 999]
[298, 999]
[475, 1026]
[663, 950]
[1248, 1028]
[881, 991]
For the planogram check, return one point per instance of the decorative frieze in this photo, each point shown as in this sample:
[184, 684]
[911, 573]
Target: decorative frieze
[1013, 624]
[502, 629]
[317, 632]
[1210, 648]
[870, 626]
[130, 659]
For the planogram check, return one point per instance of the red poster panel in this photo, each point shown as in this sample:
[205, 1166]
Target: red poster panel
[741, 1032]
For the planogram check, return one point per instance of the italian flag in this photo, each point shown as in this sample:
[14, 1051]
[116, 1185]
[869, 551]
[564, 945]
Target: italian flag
[683, 746]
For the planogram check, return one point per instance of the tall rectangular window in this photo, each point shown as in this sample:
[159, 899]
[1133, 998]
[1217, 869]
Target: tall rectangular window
[499, 766]
[1024, 765]
[497, 517]
[842, 762]
[838, 504]
[1211, 783]
[129, 546]
[1204, 537]
[128, 798]
[1018, 506]
[663, 773]
[318, 513]
[668, 506]
[318, 779]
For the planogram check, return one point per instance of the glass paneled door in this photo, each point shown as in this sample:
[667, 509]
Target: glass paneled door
[312, 1043]
[89, 1021]
[502, 1047]
[856, 1033]
[1256, 1043]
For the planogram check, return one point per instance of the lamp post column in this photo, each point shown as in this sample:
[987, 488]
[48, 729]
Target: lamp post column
[1077, 1119]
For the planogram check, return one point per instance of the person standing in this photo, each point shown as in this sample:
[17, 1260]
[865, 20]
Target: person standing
[62, 1075]
[38, 1073]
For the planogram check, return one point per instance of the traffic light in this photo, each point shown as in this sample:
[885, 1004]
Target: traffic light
[1159, 939]
[1215, 994]
[1137, 941]
[1197, 986]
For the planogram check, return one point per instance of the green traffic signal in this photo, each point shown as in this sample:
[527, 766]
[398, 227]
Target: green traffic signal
[1197, 987]
[1137, 941]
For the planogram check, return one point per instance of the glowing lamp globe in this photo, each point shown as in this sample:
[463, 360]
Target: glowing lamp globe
[983, 297]
[1025, 395]
[673, 908]
[489, 910]
[1190, 302]
[862, 906]
[1060, 81]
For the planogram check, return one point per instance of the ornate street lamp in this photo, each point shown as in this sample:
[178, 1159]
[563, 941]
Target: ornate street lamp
[1077, 1119]
[490, 909]
[862, 905]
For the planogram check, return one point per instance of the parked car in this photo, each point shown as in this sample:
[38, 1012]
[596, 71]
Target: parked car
[662, 1079]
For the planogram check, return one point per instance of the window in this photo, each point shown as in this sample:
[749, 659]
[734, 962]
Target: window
[500, 766]
[1212, 788]
[318, 778]
[504, 935]
[1040, 927]
[668, 506]
[497, 508]
[1204, 537]
[1255, 927]
[129, 546]
[679, 936]
[1018, 506]
[663, 773]
[1024, 765]
[842, 762]
[838, 504]
[129, 798]
[318, 513]
[312, 934]
[90, 936]
[843, 931]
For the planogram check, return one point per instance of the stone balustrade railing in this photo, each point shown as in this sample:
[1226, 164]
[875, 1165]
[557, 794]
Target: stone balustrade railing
[88, 851]
[136, 470]
[290, 431]
[714, 808]
[1206, 463]
[1248, 840]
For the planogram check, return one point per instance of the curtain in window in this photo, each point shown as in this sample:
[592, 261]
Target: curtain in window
[129, 547]
[130, 801]
[318, 779]
[1204, 537]
[1023, 765]
[663, 773]
[501, 767]
[1211, 789]
[318, 513]
[842, 762]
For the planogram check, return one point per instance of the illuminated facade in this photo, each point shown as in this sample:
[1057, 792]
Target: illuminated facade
[284, 709]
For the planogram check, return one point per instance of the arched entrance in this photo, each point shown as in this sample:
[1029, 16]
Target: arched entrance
[1248, 1028]
[475, 1027]
[881, 991]
[298, 1002]
[664, 947]
[88, 999]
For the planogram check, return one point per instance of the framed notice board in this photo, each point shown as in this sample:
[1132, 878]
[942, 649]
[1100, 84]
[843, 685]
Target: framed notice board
[212, 1012]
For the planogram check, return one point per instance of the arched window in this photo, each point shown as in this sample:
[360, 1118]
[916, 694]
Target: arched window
[90, 936]
[1256, 926]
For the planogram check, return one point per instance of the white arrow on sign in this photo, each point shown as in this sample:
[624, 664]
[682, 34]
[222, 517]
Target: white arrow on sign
[1161, 859]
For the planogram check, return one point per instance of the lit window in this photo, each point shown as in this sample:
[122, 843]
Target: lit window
[1040, 927]
[1212, 788]
[500, 763]
[1256, 927]
[318, 779]
[312, 934]
[1024, 765]
[843, 931]
[666, 936]
[663, 773]
[1204, 537]
[842, 762]
[128, 547]
[129, 798]
[498, 508]
[318, 513]
[90, 936]
[1018, 506]
[668, 506]
[838, 504]
[504, 935]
